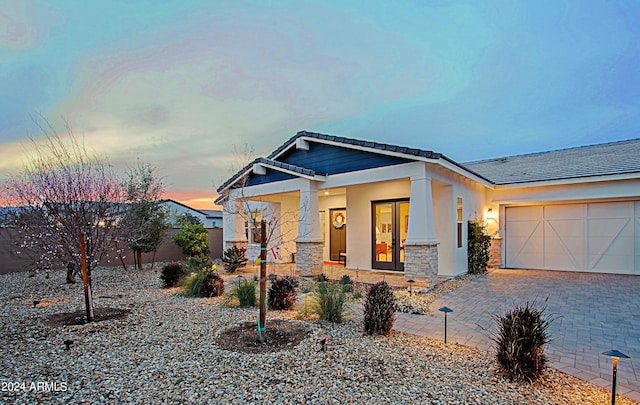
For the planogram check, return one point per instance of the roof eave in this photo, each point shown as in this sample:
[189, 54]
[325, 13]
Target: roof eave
[570, 180]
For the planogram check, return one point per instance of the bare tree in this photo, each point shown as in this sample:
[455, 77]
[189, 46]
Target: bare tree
[67, 196]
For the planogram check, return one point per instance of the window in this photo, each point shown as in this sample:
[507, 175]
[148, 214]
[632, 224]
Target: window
[252, 226]
[459, 218]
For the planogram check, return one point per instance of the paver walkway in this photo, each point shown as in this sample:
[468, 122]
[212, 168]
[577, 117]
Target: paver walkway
[596, 313]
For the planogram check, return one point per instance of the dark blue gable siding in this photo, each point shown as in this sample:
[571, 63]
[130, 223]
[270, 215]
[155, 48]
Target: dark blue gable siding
[326, 159]
[271, 177]
[329, 159]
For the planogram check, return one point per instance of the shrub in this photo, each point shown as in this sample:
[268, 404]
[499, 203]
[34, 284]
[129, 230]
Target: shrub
[171, 275]
[346, 282]
[330, 302]
[203, 284]
[212, 285]
[234, 258]
[200, 263]
[379, 309]
[478, 244]
[520, 339]
[322, 278]
[282, 293]
[245, 292]
[192, 284]
[193, 239]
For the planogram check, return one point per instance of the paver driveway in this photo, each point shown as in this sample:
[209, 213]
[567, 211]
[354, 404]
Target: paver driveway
[596, 313]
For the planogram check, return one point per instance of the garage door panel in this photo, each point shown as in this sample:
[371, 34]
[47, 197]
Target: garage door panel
[601, 237]
[526, 242]
[564, 244]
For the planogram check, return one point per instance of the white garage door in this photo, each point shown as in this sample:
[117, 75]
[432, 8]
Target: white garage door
[597, 237]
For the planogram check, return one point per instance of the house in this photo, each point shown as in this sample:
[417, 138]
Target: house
[209, 218]
[394, 208]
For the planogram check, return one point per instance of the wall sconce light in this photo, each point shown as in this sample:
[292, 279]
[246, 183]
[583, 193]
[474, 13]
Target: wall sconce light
[490, 214]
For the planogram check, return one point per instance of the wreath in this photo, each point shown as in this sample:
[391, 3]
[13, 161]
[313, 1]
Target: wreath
[338, 220]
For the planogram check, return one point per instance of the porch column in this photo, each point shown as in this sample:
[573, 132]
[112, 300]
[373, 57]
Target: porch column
[233, 232]
[309, 241]
[421, 248]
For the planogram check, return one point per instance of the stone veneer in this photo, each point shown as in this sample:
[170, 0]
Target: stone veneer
[421, 261]
[495, 252]
[308, 258]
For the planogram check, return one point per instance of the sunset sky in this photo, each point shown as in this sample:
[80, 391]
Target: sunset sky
[179, 83]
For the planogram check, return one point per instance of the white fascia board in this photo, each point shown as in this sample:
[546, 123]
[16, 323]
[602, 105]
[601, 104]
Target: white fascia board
[575, 180]
[375, 175]
[278, 187]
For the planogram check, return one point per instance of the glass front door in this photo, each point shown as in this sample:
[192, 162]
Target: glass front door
[390, 221]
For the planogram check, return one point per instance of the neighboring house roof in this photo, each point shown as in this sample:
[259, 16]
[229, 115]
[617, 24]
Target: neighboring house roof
[615, 158]
[212, 213]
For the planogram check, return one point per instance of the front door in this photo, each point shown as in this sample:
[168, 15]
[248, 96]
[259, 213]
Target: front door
[390, 221]
[338, 233]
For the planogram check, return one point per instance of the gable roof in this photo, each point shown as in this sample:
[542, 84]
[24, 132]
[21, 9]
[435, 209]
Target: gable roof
[396, 154]
[615, 158]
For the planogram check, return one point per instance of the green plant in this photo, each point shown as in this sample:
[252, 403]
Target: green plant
[245, 292]
[212, 285]
[321, 278]
[379, 309]
[478, 243]
[203, 284]
[200, 263]
[234, 258]
[282, 293]
[192, 284]
[171, 274]
[330, 302]
[520, 338]
[193, 239]
[346, 282]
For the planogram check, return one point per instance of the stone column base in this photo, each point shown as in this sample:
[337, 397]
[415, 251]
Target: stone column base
[495, 252]
[308, 258]
[421, 261]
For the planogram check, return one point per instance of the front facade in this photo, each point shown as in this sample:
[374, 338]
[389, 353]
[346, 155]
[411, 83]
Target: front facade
[389, 208]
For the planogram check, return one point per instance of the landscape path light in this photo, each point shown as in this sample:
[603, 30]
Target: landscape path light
[446, 310]
[410, 285]
[615, 355]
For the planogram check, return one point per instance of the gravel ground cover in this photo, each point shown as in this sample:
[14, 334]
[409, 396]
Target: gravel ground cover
[165, 350]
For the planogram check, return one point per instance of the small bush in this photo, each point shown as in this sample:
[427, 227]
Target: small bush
[212, 285]
[245, 292]
[192, 284]
[346, 282]
[321, 278]
[282, 293]
[520, 339]
[200, 263]
[234, 258]
[330, 302]
[478, 244]
[203, 284]
[171, 274]
[379, 309]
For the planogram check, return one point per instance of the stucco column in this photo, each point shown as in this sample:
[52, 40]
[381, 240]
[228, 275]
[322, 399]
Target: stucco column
[421, 248]
[309, 241]
[233, 232]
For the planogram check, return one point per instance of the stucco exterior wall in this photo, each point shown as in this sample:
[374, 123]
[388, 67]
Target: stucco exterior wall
[359, 199]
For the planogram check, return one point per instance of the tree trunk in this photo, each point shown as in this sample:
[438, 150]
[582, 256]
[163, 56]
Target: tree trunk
[71, 273]
[139, 259]
[124, 265]
[86, 280]
[263, 283]
[153, 259]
